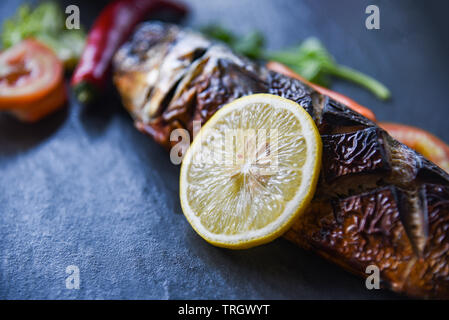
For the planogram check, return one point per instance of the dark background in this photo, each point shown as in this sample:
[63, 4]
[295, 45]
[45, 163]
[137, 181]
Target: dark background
[84, 188]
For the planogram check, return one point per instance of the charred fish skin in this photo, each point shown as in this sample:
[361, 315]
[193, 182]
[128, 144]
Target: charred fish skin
[377, 202]
[362, 151]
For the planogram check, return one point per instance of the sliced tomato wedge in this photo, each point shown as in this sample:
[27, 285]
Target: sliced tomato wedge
[281, 68]
[422, 141]
[38, 109]
[31, 80]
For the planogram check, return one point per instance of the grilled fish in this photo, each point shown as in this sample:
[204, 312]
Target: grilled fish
[377, 202]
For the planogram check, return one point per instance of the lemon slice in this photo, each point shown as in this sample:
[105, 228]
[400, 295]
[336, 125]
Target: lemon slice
[251, 171]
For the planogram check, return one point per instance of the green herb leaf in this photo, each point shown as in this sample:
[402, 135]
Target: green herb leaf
[217, 32]
[310, 59]
[46, 23]
[250, 45]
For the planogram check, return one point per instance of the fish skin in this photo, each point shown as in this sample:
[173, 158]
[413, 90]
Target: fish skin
[377, 202]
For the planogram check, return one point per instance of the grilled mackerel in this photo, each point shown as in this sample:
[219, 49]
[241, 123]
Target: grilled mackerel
[378, 202]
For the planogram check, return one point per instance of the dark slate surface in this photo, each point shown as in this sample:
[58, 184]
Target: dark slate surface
[85, 188]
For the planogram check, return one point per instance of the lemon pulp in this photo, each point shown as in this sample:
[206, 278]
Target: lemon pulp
[251, 171]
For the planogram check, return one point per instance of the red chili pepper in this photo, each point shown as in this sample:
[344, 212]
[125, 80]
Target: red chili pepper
[110, 30]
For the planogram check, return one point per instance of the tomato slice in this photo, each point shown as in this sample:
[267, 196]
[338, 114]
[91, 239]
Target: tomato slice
[32, 112]
[279, 67]
[422, 141]
[31, 80]
[28, 71]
